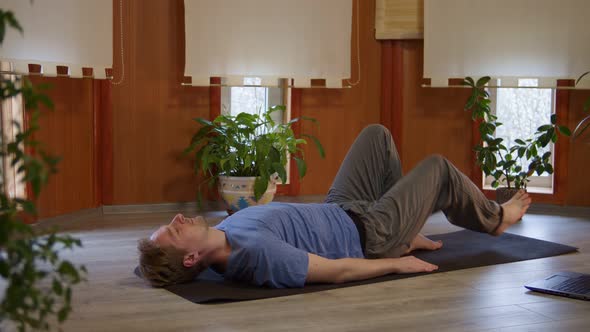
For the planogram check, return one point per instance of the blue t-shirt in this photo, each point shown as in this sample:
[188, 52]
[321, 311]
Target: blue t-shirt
[270, 242]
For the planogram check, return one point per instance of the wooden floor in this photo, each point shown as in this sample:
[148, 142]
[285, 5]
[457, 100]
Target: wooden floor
[489, 298]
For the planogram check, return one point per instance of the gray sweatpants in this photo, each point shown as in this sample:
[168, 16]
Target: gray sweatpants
[392, 208]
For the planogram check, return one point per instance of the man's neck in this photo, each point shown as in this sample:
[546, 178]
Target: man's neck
[220, 250]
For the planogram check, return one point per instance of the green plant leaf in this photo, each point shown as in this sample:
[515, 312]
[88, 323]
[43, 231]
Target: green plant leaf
[317, 143]
[310, 119]
[57, 287]
[301, 166]
[546, 155]
[519, 141]
[260, 186]
[4, 269]
[544, 127]
[470, 102]
[282, 172]
[564, 130]
[482, 81]
[62, 314]
[549, 168]
[204, 122]
[533, 150]
[554, 118]
[469, 81]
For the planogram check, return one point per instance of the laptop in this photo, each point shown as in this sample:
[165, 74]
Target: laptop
[564, 283]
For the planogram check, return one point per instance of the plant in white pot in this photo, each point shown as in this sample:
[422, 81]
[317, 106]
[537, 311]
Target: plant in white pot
[247, 153]
[502, 163]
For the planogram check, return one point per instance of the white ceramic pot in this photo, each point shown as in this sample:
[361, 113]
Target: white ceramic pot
[238, 192]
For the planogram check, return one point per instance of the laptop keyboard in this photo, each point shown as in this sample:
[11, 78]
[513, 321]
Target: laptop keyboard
[579, 285]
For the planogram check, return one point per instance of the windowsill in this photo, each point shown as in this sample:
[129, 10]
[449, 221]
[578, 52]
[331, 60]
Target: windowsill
[535, 190]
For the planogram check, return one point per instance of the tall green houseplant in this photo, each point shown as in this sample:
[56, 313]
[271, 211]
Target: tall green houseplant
[38, 282]
[500, 162]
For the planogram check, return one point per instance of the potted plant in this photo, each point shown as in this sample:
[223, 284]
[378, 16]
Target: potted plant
[496, 159]
[247, 153]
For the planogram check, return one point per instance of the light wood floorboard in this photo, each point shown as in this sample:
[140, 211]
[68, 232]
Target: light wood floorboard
[489, 298]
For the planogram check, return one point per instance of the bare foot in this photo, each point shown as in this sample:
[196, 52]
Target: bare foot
[514, 209]
[422, 242]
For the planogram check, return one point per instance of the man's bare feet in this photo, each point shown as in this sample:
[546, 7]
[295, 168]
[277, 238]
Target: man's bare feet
[422, 242]
[514, 209]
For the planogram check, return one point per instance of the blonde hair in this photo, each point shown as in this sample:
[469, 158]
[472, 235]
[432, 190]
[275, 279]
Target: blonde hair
[163, 266]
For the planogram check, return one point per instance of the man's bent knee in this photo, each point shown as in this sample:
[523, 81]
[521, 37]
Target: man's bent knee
[436, 159]
[376, 129]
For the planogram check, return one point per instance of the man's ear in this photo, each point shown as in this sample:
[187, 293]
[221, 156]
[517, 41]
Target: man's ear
[190, 259]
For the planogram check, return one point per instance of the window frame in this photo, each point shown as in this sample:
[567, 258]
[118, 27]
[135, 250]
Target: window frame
[538, 183]
[562, 102]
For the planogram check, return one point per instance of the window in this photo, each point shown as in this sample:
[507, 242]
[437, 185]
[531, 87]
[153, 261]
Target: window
[11, 116]
[521, 111]
[253, 98]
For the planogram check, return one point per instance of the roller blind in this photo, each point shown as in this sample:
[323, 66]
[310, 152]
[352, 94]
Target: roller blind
[72, 33]
[269, 39]
[506, 39]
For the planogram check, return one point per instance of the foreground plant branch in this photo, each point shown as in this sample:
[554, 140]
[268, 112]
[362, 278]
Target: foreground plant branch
[38, 281]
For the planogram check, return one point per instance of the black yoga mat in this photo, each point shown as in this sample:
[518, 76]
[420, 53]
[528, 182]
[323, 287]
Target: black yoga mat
[461, 250]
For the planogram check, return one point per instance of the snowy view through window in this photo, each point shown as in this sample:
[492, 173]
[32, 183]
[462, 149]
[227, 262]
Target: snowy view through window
[249, 99]
[521, 112]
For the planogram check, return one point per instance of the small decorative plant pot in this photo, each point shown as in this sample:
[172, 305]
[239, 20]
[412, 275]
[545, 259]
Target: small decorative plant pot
[238, 192]
[503, 195]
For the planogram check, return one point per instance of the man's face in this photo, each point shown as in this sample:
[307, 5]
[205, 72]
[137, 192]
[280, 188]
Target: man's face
[185, 234]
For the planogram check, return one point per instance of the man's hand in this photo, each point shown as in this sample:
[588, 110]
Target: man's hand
[350, 269]
[411, 264]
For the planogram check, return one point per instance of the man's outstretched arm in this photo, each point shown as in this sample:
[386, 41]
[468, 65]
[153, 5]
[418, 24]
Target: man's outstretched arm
[324, 270]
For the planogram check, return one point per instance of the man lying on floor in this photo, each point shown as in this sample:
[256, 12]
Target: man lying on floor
[369, 222]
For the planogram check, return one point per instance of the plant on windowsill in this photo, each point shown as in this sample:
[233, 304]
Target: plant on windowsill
[247, 153]
[501, 162]
[36, 281]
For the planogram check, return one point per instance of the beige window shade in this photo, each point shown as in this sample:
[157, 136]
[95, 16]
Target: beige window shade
[72, 33]
[506, 39]
[399, 19]
[269, 39]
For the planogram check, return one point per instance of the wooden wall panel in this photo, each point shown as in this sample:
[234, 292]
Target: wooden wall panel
[152, 112]
[152, 118]
[343, 113]
[578, 186]
[67, 131]
[434, 122]
[433, 119]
